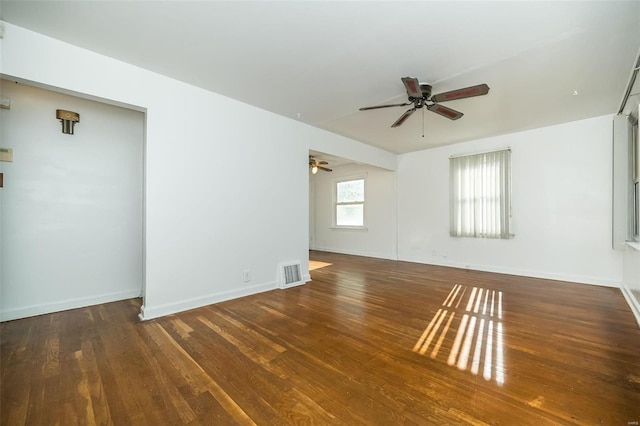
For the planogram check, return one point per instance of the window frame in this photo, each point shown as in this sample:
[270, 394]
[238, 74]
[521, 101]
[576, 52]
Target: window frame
[634, 187]
[335, 205]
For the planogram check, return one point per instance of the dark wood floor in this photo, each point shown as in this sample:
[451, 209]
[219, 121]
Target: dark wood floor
[366, 342]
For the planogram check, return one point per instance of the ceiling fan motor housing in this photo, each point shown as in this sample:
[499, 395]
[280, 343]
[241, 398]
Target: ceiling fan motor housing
[421, 101]
[426, 91]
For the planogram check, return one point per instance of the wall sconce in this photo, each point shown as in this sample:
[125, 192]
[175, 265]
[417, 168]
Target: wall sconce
[68, 120]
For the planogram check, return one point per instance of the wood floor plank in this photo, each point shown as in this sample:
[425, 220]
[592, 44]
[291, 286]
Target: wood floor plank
[195, 373]
[368, 341]
[92, 383]
[107, 376]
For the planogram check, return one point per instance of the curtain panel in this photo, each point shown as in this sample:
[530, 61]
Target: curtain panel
[480, 195]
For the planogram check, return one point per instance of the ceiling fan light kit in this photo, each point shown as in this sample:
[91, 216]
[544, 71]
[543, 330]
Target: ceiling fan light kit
[420, 97]
[315, 165]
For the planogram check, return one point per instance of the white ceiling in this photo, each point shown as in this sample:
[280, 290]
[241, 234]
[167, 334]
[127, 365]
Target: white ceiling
[320, 61]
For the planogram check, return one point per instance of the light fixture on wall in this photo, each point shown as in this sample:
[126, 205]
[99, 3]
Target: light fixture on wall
[68, 120]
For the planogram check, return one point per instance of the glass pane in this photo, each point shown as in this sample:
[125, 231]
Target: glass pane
[351, 215]
[634, 148]
[349, 191]
[636, 206]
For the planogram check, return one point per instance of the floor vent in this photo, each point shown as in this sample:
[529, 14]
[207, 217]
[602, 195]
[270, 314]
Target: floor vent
[290, 275]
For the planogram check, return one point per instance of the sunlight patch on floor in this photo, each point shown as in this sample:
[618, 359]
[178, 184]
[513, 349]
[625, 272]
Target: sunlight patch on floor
[314, 264]
[479, 317]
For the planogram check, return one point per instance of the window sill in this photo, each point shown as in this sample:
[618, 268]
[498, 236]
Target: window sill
[350, 228]
[634, 245]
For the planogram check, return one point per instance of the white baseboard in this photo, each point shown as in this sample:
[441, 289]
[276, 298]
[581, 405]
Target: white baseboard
[358, 253]
[580, 279]
[634, 304]
[151, 312]
[496, 269]
[47, 308]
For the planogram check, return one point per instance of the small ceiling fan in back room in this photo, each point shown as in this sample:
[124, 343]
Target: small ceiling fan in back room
[420, 96]
[315, 165]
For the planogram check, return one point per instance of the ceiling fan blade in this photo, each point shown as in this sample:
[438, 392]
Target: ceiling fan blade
[383, 106]
[445, 112]
[325, 169]
[413, 86]
[403, 117]
[467, 92]
[323, 162]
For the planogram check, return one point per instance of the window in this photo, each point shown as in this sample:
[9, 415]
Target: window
[349, 203]
[480, 195]
[635, 176]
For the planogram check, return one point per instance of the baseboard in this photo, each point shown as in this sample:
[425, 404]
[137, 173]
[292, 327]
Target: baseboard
[634, 304]
[358, 253]
[48, 308]
[580, 279]
[151, 312]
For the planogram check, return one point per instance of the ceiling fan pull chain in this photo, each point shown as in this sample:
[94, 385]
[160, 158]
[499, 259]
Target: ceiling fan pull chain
[423, 122]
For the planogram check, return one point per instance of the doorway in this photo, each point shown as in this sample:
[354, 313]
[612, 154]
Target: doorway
[71, 208]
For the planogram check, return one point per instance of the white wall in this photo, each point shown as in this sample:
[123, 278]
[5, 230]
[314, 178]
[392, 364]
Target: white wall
[226, 183]
[562, 216]
[72, 204]
[379, 237]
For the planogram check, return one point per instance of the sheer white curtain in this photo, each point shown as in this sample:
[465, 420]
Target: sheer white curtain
[480, 186]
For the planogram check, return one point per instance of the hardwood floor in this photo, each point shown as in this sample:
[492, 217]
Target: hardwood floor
[366, 342]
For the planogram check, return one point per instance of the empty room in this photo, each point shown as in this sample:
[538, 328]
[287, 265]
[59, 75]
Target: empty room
[279, 212]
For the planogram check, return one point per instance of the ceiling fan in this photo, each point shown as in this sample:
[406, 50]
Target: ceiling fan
[420, 96]
[316, 165]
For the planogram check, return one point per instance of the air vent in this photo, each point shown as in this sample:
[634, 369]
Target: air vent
[290, 274]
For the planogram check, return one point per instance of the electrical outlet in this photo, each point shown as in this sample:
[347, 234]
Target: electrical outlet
[246, 275]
